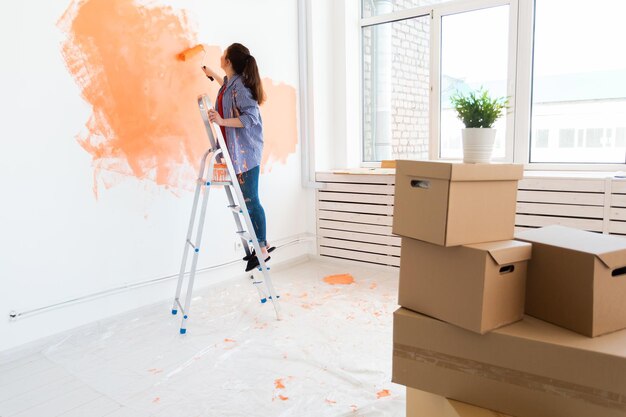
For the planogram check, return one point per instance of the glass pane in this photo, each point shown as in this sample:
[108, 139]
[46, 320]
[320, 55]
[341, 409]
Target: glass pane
[474, 54]
[579, 82]
[396, 90]
[378, 7]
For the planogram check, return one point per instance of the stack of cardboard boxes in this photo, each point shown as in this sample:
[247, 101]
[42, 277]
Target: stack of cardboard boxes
[464, 289]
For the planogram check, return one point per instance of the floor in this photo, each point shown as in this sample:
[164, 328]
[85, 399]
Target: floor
[330, 355]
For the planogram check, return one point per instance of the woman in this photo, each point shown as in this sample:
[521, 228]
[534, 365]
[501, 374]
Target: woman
[238, 116]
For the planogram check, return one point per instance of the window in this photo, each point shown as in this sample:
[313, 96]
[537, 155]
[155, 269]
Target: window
[566, 88]
[541, 136]
[566, 138]
[620, 137]
[579, 80]
[594, 138]
[465, 67]
[396, 89]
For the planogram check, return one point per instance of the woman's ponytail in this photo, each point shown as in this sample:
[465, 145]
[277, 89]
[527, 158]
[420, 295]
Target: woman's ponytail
[252, 79]
[244, 64]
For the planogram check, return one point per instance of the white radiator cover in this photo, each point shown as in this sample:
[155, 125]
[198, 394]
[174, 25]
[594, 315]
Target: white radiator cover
[355, 211]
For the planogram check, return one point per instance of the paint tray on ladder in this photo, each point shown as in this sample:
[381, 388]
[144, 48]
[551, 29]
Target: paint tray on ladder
[220, 173]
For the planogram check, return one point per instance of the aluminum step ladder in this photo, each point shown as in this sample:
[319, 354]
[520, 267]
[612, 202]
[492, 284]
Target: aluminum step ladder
[218, 152]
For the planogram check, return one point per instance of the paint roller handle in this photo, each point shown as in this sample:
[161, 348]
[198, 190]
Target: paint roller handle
[204, 68]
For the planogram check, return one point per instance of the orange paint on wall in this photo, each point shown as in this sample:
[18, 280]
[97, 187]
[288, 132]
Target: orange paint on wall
[280, 133]
[145, 121]
[341, 279]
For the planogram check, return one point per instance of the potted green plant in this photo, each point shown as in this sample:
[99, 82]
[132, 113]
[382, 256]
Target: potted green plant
[478, 112]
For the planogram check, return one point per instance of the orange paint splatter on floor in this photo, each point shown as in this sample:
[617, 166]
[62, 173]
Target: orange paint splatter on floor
[145, 122]
[156, 400]
[341, 279]
[330, 402]
[373, 286]
[278, 383]
[383, 393]
[227, 340]
[283, 398]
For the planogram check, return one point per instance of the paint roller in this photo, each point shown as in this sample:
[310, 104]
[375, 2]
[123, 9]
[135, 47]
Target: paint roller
[189, 53]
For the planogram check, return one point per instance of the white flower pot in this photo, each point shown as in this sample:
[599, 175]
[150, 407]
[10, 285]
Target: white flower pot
[478, 145]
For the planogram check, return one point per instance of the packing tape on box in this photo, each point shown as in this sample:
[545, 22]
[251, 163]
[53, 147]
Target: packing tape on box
[511, 376]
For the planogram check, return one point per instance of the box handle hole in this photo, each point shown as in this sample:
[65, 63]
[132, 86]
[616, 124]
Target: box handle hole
[420, 184]
[507, 269]
[619, 271]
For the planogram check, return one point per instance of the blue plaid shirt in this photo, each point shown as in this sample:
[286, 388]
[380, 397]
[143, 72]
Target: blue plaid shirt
[245, 144]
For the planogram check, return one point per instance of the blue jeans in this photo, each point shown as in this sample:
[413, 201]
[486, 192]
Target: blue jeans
[249, 183]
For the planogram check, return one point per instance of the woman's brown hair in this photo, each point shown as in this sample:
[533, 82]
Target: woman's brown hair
[244, 64]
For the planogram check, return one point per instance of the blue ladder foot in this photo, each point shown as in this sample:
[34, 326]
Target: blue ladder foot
[174, 311]
[183, 331]
[263, 300]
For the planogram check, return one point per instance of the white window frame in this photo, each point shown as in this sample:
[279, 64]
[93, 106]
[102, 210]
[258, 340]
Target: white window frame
[519, 83]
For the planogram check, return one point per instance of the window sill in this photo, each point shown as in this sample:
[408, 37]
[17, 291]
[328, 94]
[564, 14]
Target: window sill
[527, 173]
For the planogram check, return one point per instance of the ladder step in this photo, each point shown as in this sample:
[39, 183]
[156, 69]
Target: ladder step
[208, 183]
[245, 235]
[236, 209]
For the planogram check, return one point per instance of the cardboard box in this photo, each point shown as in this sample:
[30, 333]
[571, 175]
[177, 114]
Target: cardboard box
[478, 287]
[424, 404]
[453, 204]
[577, 279]
[527, 369]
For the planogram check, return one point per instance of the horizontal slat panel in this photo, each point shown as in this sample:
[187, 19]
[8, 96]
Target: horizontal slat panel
[618, 186]
[618, 214]
[359, 188]
[355, 208]
[355, 227]
[617, 227]
[561, 185]
[359, 246]
[355, 217]
[360, 237]
[540, 221]
[618, 200]
[355, 178]
[519, 229]
[360, 256]
[355, 198]
[588, 199]
[561, 210]
[355, 211]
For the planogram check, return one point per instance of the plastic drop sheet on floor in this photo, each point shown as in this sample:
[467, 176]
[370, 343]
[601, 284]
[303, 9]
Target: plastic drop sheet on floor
[330, 355]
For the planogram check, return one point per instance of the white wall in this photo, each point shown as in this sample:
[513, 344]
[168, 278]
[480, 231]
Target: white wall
[336, 72]
[57, 241]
